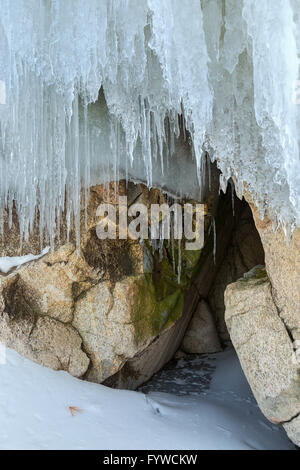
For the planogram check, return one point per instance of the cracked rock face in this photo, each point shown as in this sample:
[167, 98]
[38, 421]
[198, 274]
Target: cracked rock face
[62, 313]
[103, 316]
[265, 348]
[35, 335]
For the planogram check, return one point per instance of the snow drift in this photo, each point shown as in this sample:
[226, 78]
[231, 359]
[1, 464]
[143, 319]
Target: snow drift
[45, 409]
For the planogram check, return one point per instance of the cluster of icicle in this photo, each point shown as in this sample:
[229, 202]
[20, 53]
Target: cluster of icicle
[223, 70]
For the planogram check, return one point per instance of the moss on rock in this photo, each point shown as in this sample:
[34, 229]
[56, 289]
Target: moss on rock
[159, 297]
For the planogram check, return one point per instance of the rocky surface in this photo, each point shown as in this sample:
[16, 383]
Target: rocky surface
[36, 335]
[244, 251]
[282, 258]
[201, 336]
[142, 366]
[198, 273]
[265, 348]
[106, 306]
[121, 300]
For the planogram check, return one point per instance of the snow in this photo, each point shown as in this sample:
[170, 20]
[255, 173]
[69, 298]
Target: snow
[9, 262]
[35, 412]
[229, 72]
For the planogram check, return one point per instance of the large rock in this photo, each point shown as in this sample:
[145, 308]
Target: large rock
[293, 430]
[50, 282]
[282, 258]
[109, 305]
[201, 336]
[37, 336]
[117, 321]
[161, 350]
[265, 348]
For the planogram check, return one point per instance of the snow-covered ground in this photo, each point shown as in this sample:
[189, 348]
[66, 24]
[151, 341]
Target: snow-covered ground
[44, 409]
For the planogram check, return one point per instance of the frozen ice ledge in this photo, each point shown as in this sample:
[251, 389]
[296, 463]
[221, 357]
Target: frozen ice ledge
[146, 89]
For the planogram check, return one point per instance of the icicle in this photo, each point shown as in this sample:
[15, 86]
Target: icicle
[173, 252]
[115, 90]
[232, 197]
[215, 239]
[179, 262]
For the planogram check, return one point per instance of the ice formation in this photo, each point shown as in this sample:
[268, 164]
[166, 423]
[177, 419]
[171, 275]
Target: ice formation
[142, 89]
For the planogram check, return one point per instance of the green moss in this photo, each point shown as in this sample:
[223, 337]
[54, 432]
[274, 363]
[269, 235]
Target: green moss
[256, 273]
[152, 314]
[159, 297]
[261, 273]
[256, 276]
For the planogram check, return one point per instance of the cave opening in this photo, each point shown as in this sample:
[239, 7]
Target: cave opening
[232, 248]
[238, 250]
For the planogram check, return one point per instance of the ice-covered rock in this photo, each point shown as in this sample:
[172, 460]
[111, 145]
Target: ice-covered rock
[139, 89]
